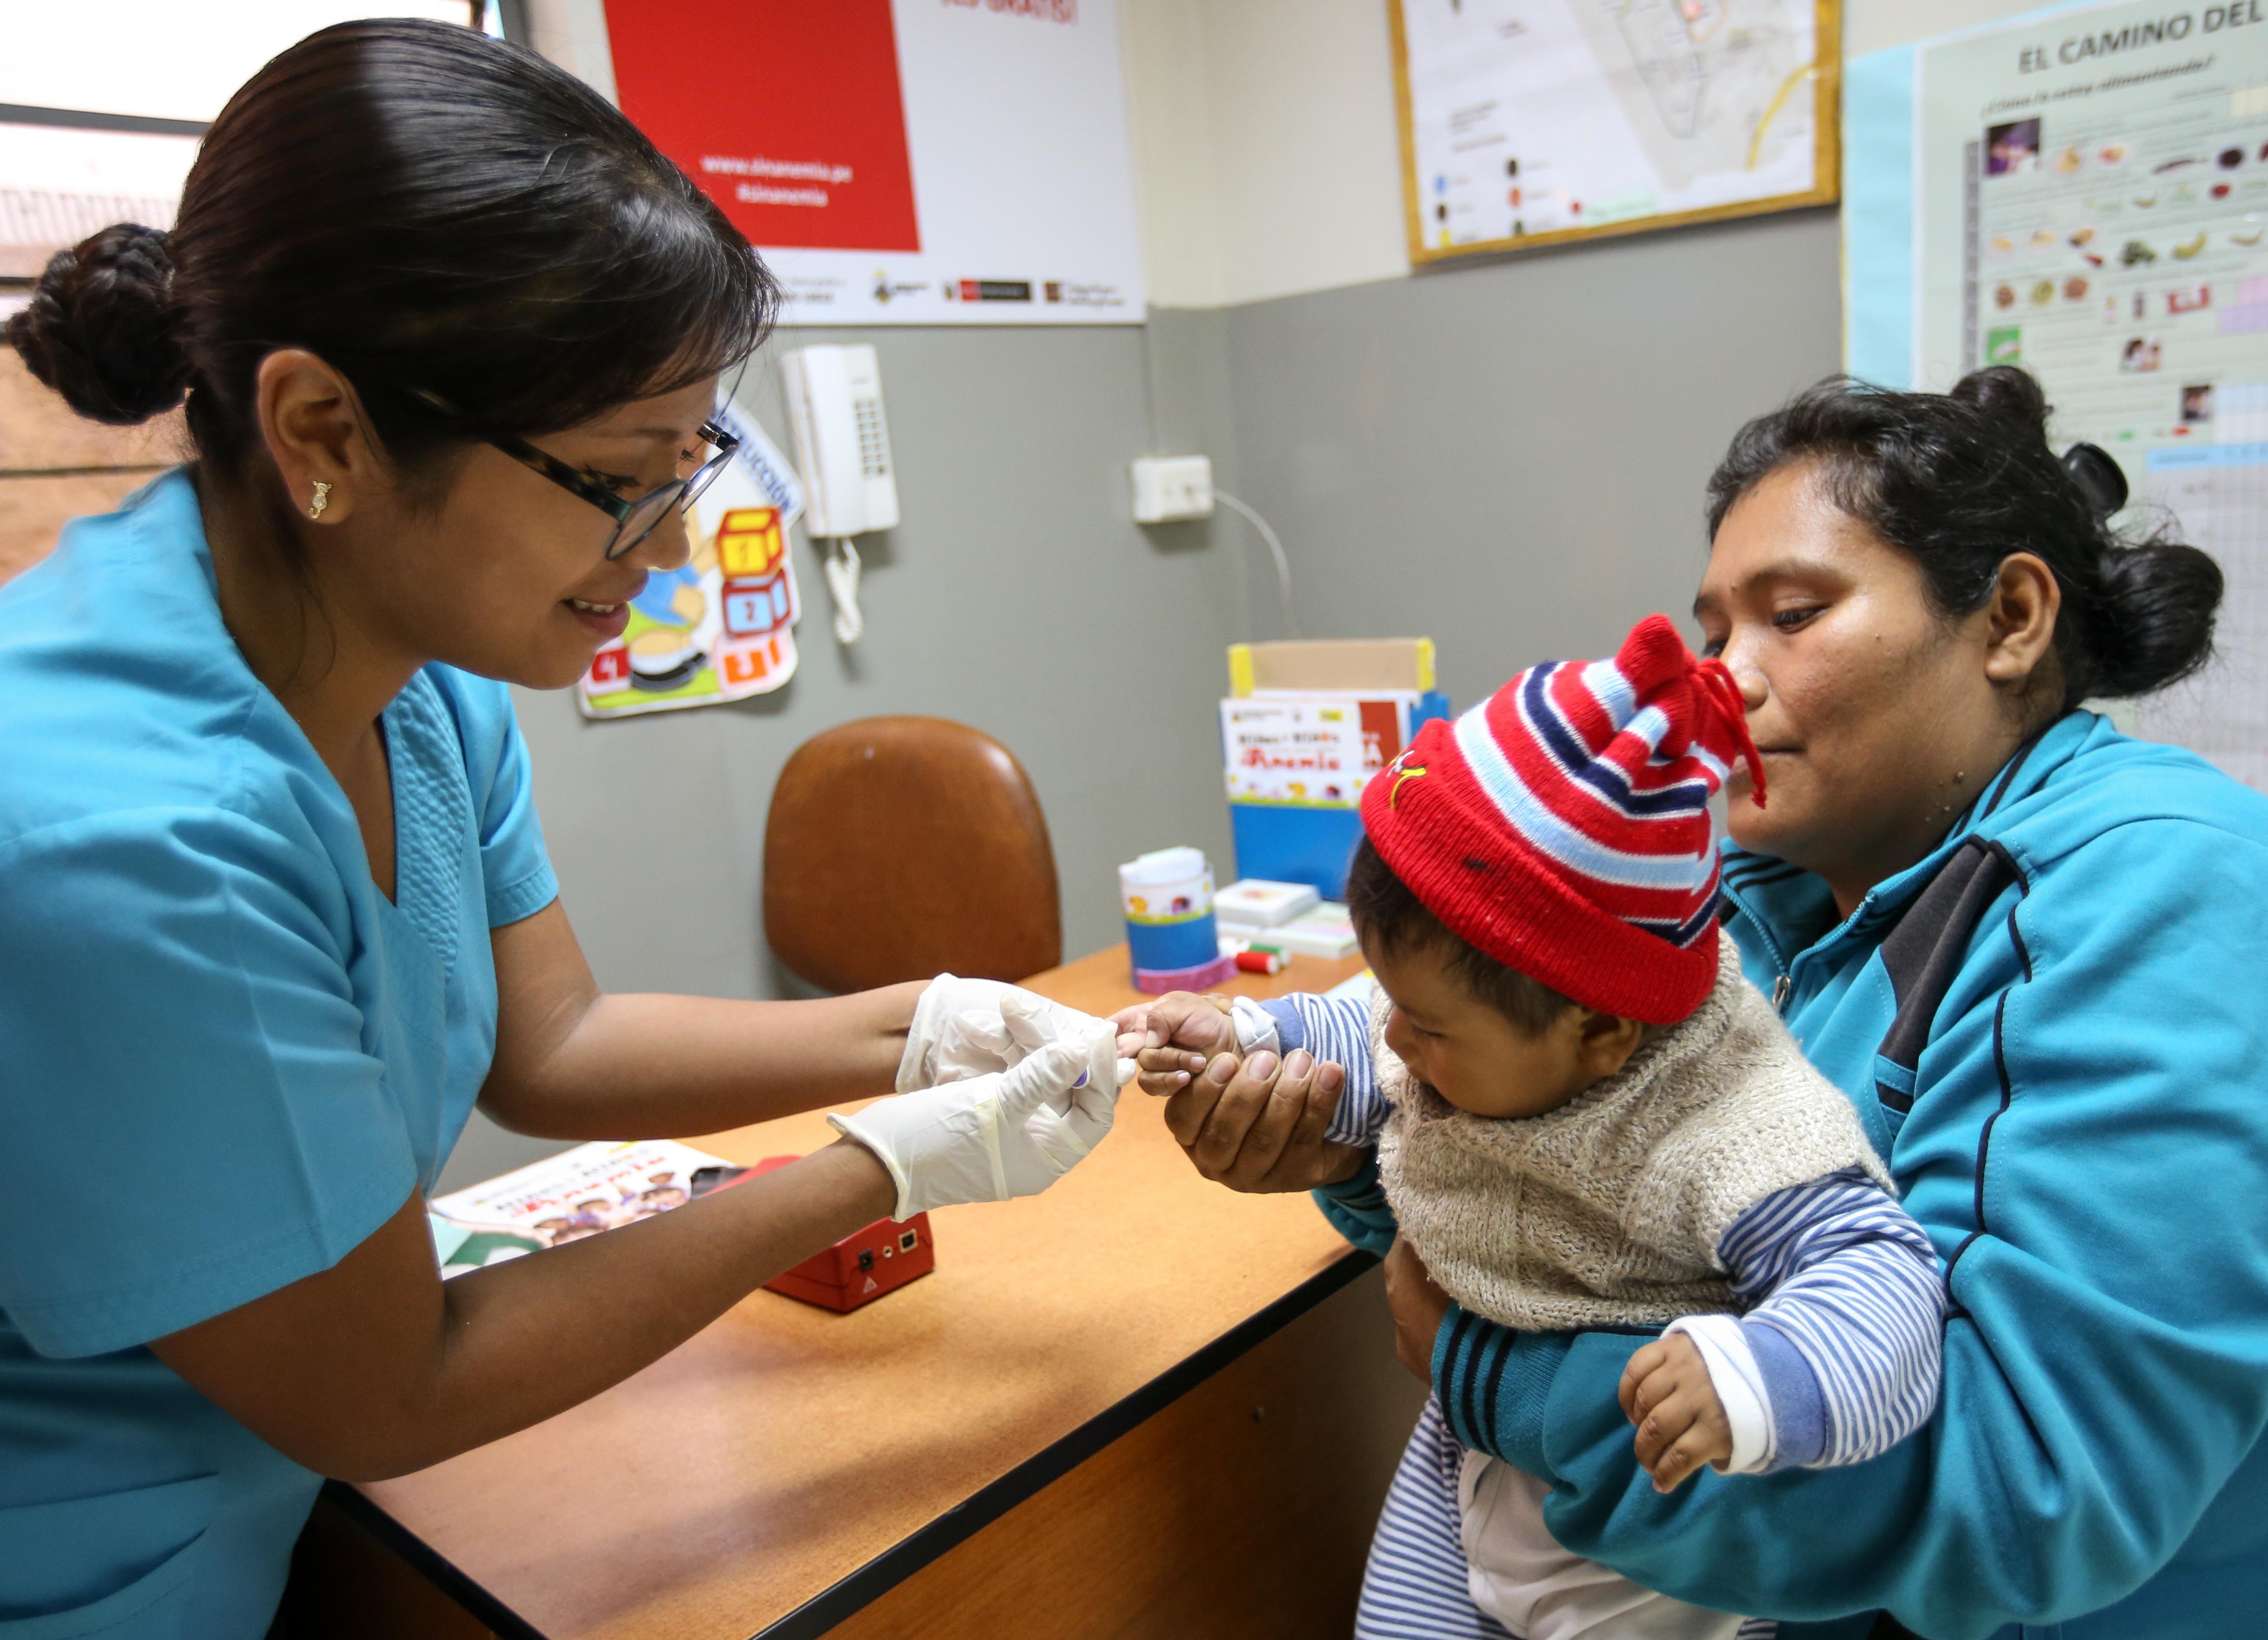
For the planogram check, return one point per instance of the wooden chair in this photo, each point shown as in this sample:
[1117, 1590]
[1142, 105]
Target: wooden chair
[901, 846]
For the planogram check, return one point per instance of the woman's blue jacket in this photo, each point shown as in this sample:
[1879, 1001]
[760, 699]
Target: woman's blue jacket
[2074, 1103]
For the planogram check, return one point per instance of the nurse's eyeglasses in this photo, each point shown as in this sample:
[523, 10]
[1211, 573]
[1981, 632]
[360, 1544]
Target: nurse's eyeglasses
[636, 518]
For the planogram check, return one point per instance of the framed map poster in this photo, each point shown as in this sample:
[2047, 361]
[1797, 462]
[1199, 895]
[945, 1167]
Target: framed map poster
[1528, 122]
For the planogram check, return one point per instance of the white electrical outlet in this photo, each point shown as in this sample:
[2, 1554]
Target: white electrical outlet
[1171, 487]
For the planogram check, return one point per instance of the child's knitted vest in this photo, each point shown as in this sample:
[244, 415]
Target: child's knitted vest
[1608, 1211]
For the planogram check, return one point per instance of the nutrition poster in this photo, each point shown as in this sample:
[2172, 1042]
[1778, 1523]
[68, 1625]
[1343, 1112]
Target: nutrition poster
[2089, 200]
[916, 162]
[1534, 121]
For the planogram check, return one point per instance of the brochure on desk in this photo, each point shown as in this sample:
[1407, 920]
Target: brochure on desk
[565, 1198]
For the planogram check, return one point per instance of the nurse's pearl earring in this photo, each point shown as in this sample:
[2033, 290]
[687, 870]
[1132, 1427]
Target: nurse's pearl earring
[323, 499]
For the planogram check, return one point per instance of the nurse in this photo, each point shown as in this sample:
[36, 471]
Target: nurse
[276, 905]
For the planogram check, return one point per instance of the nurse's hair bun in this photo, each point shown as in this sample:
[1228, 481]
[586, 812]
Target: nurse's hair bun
[100, 331]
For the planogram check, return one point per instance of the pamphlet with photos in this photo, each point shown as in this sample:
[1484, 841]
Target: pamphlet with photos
[576, 1193]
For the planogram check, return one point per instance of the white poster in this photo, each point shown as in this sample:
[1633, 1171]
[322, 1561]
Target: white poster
[903, 161]
[2090, 201]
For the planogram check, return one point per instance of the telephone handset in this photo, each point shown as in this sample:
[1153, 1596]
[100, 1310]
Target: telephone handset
[842, 441]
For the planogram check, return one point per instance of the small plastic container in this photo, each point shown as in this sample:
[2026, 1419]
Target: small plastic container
[1166, 897]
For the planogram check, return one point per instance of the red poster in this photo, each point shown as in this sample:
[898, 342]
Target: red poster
[787, 112]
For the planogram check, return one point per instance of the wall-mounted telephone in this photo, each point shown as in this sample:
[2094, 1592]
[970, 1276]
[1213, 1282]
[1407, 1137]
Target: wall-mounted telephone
[842, 446]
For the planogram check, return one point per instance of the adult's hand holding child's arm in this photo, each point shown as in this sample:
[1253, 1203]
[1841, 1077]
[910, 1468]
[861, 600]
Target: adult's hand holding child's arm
[1680, 1422]
[1255, 1124]
[1259, 1124]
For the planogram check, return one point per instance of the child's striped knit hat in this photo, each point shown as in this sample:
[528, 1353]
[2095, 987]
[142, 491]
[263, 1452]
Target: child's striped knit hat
[1562, 825]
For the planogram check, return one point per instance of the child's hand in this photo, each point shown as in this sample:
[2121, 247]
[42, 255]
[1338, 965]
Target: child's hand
[1175, 1038]
[1680, 1423]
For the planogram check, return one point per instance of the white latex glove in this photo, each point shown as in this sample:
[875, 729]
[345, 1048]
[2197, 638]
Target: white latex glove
[991, 1137]
[965, 1028]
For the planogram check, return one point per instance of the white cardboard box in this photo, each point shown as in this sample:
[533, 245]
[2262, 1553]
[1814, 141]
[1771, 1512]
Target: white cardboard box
[1255, 902]
[1323, 931]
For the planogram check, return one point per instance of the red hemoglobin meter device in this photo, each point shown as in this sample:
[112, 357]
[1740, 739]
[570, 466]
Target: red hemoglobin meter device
[858, 1269]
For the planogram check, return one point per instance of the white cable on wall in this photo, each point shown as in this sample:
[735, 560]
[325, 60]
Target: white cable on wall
[842, 566]
[1275, 548]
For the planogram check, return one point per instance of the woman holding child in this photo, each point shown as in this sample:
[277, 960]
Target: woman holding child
[2024, 947]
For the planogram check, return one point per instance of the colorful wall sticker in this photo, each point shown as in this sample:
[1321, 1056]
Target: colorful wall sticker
[721, 625]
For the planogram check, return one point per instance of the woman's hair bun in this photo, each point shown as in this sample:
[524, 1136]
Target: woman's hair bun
[2007, 393]
[2153, 620]
[100, 329]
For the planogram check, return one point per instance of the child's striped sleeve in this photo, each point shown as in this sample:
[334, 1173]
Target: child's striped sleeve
[1846, 1315]
[1335, 1030]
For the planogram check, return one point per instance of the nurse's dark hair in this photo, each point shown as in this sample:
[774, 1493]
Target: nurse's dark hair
[1961, 480]
[421, 206]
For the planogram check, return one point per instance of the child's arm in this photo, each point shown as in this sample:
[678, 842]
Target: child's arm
[1837, 1361]
[1334, 1031]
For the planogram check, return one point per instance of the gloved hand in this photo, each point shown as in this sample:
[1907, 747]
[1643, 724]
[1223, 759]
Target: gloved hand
[965, 1028]
[1008, 1133]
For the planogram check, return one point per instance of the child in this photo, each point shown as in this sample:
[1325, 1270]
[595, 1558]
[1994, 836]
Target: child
[1585, 1117]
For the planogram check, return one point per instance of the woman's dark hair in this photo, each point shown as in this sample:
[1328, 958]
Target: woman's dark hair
[423, 207]
[1391, 918]
[1960, 481]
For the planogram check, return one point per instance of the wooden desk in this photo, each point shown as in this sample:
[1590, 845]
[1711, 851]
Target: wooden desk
[981, 1433]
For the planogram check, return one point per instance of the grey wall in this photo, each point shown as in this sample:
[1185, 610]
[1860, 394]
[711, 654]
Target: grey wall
[1507, 458]
[1510, 458]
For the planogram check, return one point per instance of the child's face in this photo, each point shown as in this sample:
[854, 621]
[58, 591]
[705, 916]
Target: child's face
[1478, 1060]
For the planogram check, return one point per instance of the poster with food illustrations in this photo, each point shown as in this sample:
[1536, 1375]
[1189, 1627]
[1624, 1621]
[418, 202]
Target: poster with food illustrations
[2083, 192]
[721, 625]
[2094, 206]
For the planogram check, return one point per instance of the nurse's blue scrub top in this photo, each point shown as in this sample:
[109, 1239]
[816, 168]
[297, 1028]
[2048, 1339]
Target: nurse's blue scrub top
[225, 1058]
